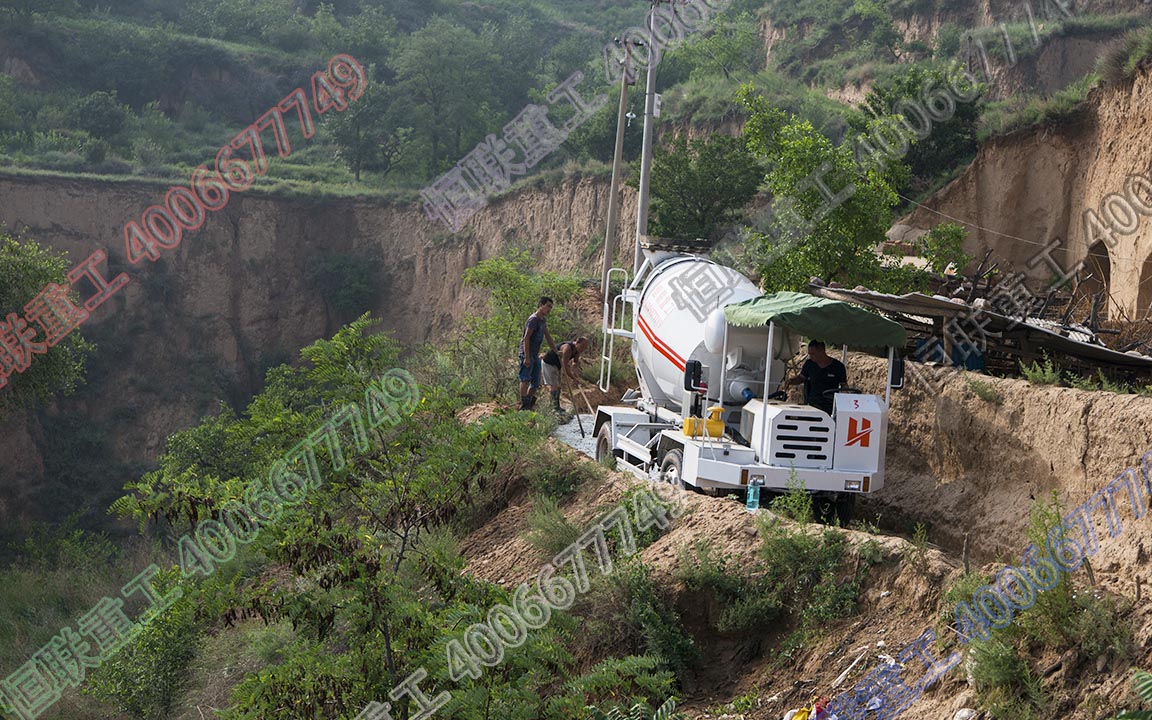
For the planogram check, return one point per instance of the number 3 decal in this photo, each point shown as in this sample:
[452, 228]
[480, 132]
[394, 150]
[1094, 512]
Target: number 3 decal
[857, 405]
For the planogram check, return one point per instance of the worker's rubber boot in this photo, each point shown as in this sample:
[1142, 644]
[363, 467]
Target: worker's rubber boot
[525, 402]
[531, 402]
[556, 402]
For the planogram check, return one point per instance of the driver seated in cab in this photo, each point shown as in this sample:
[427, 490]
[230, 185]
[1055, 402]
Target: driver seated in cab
[820, 374]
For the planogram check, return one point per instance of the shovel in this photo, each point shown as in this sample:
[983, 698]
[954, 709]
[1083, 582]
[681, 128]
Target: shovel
[576, 411]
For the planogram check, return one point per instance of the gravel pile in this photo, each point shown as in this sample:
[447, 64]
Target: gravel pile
[569, 434]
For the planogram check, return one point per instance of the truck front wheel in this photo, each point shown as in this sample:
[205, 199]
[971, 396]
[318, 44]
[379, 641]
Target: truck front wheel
[672, 469]
[604, 444]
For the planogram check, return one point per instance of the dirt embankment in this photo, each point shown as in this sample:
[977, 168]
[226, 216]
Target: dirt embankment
[239, 294]
[1033, 187]
[963, 466]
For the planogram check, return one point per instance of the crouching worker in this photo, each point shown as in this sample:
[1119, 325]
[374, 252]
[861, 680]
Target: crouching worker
[563, 361]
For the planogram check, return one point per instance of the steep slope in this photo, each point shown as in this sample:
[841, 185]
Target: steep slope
[1036, 185]
[238, 296]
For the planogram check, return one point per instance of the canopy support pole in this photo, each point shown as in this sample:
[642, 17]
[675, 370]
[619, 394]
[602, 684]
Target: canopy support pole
[888, 385]
[723, 369]
[764, 395]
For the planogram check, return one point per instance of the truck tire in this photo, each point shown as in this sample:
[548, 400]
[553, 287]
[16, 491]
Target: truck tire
[672, 469]
[604, 444]
[845, 508]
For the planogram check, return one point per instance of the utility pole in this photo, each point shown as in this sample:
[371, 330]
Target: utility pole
[614, 192]
[646, 156]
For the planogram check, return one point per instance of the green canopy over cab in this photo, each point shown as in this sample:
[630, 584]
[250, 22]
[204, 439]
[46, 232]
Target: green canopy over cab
[819, 318]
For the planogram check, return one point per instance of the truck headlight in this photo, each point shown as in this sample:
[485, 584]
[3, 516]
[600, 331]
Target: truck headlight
[853, 485]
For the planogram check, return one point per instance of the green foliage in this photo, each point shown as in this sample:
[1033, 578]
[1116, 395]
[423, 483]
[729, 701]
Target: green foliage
[639, 711]
[25, 269]
[796, 503]
[1041, 374]
[1023, 111]
[99, 114]
[615, 684]
[731, 45]
[348, 283]
[812, 240]
[698, 184]
[916, 555]
[557, 472]
[369, 135]
[1008, 686]
[1142, 683]
[480, 359]
[628, 608]
[1119, 63]
[949, 143]
[549, 530]
[943, 246]
[652, 533]
[985, 391]
[146, 678]
[797, 580]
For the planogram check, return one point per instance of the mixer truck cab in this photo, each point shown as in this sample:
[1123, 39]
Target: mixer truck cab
[710, 352]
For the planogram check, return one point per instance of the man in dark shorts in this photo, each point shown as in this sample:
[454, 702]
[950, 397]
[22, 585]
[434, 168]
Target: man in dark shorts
[819, 374]
[564, 362]
[535, 332]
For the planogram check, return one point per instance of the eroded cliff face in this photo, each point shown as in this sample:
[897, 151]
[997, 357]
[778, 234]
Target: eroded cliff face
[204, 322]
[1034, 187]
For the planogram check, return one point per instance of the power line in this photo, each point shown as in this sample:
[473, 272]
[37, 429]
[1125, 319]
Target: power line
[994, 232]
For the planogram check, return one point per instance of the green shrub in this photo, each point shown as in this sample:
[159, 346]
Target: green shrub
[798, 578]
[796, 503]
[146, 677]
[1041, 374]
[550, 531]
[1142, 683]
[985, 391]
[1119, 63]
[1007, 685]
[557, 472]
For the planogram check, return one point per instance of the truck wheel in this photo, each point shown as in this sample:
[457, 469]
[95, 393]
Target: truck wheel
[845, 508]
[672, 469]
[604, 445]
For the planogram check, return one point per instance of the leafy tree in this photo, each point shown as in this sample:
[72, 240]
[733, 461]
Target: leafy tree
[698, 184]
[949, 142]
[596, 137]
[731, 45]
[24, 8]
[836, 244]
[347, 282]
[489, 340]
[367, 135]
[235, 19]
[99, 114]
[147, 677]
[882, 33]
[25, 269]
[445, 72]
[943, 245]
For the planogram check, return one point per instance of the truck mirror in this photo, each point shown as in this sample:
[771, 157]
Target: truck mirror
[693, 373]
[897, 373]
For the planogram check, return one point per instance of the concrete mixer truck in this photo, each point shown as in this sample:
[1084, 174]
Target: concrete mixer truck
[710, 352]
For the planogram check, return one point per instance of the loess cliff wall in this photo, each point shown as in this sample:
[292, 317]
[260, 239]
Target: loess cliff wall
[204, 322]
[1033, 188]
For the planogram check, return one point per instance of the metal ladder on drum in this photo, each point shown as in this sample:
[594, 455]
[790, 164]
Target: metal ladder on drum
[613, 315]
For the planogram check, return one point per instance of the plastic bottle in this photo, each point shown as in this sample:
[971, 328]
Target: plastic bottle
[753, 503]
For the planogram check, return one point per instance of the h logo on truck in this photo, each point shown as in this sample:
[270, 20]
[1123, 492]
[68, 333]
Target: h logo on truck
[859, 434]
